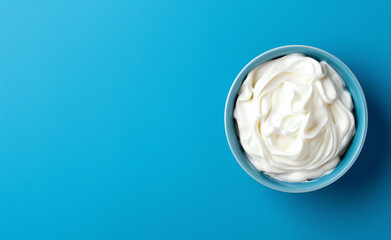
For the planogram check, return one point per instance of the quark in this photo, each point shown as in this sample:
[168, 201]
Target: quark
[294, 118]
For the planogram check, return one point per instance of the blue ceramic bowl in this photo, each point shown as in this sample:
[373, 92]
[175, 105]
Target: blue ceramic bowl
[360, 111]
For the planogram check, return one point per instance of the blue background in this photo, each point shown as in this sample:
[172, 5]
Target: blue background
[111, 120]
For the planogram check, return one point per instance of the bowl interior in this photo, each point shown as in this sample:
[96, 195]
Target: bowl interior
[360, 111]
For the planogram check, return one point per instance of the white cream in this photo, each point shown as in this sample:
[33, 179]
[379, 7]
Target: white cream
[294, 118]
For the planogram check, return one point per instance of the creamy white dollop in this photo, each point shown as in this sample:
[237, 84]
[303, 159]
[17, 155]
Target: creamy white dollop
[294, 118]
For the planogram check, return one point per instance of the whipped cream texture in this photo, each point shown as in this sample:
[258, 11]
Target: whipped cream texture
[294, 118]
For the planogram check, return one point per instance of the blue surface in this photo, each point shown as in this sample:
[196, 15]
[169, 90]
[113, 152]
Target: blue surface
[360, 112]
[111, 122]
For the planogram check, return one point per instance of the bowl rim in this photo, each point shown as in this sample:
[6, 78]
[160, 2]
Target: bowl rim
[360, 146]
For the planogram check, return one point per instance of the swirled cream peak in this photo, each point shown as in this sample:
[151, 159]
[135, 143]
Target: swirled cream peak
[294, 118]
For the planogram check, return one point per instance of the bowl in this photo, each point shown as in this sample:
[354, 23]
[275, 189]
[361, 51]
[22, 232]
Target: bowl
[351, 153]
